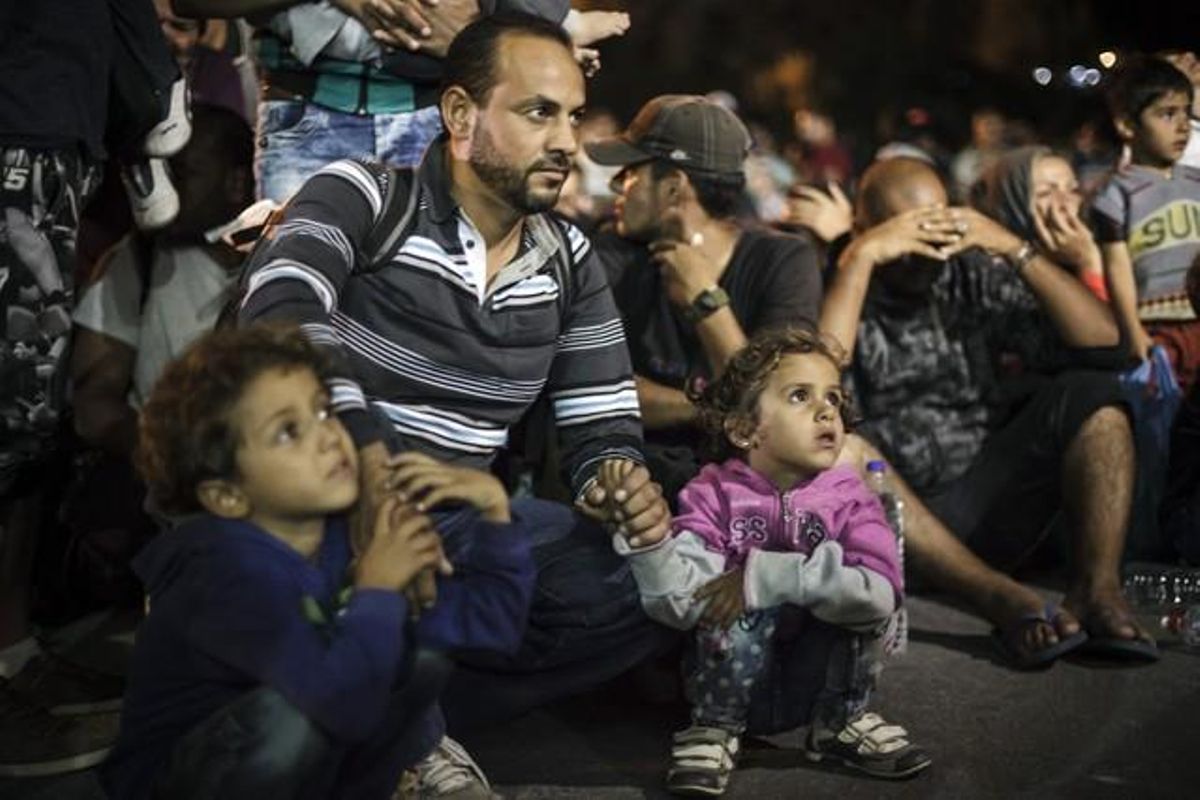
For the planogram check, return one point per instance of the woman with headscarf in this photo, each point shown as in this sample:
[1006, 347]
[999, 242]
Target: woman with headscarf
[1035, 194]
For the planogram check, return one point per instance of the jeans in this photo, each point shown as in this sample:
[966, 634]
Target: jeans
[262, 746]
[295, 139]
[778, 669]
[586, 625]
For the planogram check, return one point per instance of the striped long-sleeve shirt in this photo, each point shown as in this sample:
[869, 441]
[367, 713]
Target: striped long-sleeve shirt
[449, 360]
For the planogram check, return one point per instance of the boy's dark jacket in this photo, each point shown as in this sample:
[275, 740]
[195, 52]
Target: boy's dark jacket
[233, 608]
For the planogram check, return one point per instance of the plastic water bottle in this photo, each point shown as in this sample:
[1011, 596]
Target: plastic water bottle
[1184, 622]
[893, 507]
[1161, 587]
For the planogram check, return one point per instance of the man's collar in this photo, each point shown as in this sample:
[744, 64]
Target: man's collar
[434, 174]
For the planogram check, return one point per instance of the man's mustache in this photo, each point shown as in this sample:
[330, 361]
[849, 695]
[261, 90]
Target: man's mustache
[560, 162]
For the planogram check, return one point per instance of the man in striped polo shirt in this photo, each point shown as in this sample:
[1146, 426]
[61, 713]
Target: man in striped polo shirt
[449, 343]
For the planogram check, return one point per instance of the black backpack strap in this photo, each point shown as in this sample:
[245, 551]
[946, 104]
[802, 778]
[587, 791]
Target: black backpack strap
[395, 220]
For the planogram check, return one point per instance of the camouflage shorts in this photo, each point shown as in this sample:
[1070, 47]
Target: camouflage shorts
[41, 196]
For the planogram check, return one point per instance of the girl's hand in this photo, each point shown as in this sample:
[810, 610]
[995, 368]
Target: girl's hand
[726, 599]
[429, 483]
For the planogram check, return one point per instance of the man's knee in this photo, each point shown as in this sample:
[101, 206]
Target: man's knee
[1108, 421]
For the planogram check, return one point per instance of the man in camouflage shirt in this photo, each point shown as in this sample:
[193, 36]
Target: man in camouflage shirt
[984, 372]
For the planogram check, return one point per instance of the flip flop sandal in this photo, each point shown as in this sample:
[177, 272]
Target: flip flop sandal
[1141, 648]
[1009, 639]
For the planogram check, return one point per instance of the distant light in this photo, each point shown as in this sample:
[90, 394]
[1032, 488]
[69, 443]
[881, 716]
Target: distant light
[1043, 76]
[1076, 74]
[1107, 59]
[1091, 77]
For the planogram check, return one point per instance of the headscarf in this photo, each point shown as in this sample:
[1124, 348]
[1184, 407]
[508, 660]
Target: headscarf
[1005, 191]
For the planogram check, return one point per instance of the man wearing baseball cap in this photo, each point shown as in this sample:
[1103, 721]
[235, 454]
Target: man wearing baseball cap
[691, 280]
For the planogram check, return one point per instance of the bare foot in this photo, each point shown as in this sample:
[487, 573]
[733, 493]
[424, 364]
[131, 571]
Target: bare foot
[1010, 606]
[1105, 613]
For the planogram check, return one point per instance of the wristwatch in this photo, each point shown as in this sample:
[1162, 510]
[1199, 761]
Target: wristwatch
[708, 301]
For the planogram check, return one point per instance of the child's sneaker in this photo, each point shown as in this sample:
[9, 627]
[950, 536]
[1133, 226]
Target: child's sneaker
[34, 743]
[65, 688]
[869, 745]
[702, 759]
[152, 196]
[175, 128]
[449, 771]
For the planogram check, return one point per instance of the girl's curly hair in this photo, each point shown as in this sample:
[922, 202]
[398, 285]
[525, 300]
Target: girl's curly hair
[185, 433]
[735, 394]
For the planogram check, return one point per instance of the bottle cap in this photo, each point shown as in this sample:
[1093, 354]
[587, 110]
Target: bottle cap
[876, 466]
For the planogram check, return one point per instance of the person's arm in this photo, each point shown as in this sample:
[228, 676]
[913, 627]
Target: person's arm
[1122, 293]
[853, 596]
[931, 232]
[669, 573]
[101, 376]
[591, 384]
[1080, 318]
[662, 406]
[339, 676]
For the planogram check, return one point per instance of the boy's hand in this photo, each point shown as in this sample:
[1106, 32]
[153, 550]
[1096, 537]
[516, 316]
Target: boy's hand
[429, 483]
[828, 216]
[404, 545]
[726, 599]
[624, 496]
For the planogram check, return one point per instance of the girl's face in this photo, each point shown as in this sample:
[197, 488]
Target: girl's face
[799, 432]
[1054, 184]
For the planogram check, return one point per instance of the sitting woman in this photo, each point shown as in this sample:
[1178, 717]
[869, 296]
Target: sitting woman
[1035, 194]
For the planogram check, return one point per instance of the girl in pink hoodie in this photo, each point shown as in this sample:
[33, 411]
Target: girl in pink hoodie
[783, 563]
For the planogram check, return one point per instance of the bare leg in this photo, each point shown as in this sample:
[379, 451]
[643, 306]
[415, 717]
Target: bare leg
[1098, 479]
[938, 555]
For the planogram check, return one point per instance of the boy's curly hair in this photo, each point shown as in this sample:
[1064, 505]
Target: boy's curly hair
[737, 391]
[185, 434]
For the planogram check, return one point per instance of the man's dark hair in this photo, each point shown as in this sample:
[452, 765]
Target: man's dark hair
[186, 436]
[719, 195]
[471, 60]
[1141, 81]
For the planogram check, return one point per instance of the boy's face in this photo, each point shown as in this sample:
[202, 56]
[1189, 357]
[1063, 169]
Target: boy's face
[295, 460]
[1161, 131]
[800, 430]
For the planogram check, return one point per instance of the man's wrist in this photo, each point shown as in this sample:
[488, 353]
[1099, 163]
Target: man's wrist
[705, 303]
[1020, 257]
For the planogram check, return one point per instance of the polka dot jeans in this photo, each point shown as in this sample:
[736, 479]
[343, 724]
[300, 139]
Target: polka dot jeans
[778, 669]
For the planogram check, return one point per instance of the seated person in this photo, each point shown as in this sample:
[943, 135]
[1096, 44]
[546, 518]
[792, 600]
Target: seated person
[1034, 193]
[278, 654]
[932, 301]
[691, 282]
[153, 297]
[784, 565]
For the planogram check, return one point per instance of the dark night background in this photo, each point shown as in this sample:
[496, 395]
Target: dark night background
[864, 63]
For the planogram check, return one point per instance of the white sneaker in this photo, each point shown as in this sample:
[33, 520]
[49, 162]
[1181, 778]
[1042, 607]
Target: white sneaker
[173, 131]
[449, 771]
[152, 196]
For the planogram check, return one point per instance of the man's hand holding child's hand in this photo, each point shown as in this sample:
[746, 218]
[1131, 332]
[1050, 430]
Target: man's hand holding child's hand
[624, 496]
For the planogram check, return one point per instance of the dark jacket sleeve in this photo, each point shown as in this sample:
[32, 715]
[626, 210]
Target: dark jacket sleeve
[591, 384]
[298, 275]
[339, 677]
[485, 604]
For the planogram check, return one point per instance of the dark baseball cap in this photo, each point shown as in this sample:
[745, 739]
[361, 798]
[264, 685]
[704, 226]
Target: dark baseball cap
[687, 130]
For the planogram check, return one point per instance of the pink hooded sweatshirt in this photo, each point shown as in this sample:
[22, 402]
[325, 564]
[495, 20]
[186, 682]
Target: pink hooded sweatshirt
[735, 510]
